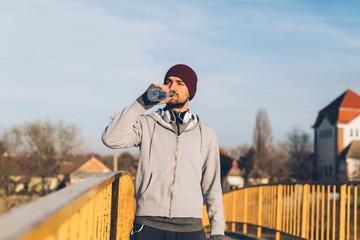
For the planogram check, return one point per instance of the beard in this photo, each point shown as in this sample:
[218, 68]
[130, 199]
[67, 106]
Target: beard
[179, 103]
[174, 105]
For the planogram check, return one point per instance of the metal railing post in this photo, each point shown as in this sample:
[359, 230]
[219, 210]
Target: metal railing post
[260, 203]
[114, 209]
[348, 212]
[355, 210]
[342, 212]
[233, 224]
[305, 211]
[279, 206]
[245, 210]
[322, 212]
[334, 213]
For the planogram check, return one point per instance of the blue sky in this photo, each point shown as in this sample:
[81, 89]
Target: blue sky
[81, 61]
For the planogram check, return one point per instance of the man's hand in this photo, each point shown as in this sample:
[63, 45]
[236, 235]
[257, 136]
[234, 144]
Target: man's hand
[165, 89]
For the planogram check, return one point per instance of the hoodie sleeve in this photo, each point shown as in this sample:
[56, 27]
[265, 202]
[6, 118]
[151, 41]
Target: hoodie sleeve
[125, 129]
[211, 188]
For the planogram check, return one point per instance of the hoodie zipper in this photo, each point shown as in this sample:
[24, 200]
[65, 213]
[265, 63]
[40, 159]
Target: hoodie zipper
[174, 174]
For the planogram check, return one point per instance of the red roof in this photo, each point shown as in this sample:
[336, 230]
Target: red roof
[342, 110]
[93, 165]
[225, 161]
[225, 154]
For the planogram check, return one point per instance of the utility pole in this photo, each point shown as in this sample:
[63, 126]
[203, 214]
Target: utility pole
[115, 160]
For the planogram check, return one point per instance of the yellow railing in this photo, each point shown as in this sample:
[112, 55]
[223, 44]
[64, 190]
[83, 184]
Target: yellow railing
[103, 207]
[305, 211]
[100, 207]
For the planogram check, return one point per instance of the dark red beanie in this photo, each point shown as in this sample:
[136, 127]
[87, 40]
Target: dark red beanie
[186, 74]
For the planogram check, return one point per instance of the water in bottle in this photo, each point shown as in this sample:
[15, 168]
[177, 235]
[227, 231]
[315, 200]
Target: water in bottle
[157, 95]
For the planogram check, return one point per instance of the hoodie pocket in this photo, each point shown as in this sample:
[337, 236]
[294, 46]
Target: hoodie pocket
[145, 184]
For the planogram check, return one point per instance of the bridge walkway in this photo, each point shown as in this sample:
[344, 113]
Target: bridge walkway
[235, 236]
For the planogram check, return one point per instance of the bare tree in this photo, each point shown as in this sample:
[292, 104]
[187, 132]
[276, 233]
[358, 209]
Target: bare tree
[300, 150]
[12, 140]
[40, 138]
[262, 139]
[67, 139]
[238, 151]
[246, 161]
[3, 169]
[126, 162]
[2, 148]
[278, 167]
[44, 144]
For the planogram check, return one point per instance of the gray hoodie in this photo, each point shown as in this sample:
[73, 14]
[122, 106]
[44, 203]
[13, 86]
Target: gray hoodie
[176, 173]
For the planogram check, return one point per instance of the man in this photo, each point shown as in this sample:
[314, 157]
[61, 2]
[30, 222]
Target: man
[179, 166]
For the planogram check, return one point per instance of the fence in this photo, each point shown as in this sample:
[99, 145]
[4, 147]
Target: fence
[305, 211]
[101, 207]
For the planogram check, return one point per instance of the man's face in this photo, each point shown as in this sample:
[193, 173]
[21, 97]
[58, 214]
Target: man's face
[181, 92]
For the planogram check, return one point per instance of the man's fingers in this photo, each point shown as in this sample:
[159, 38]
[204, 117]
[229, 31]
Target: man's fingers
[163, 87]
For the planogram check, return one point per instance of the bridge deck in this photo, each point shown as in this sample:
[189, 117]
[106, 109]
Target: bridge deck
[235, 236]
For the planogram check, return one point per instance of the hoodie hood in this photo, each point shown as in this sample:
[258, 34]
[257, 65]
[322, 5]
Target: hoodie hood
[163, 118]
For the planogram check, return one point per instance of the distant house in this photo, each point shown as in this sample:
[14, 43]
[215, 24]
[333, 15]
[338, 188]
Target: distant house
[235, 176]
[337, 132]
[231, 175]
[349, 162]
[66, 168]
[258, 176]
[93, 165]
[21, 179]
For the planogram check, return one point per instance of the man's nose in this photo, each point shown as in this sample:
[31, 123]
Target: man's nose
[172, 87]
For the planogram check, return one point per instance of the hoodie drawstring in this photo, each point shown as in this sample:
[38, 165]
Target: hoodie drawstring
[151, 140]
[201, 138]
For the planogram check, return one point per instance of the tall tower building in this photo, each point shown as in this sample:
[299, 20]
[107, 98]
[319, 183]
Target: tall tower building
[337, 138]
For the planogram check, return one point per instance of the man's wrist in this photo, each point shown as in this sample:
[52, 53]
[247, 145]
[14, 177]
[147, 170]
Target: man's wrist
[144, 101]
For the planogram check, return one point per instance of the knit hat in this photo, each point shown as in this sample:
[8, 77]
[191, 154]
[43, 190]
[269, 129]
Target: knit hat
[186, 74]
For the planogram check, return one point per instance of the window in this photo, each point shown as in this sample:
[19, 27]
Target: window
[357, 132]
[326, 172]
[331, 170]
[351, 132]
[326, 133]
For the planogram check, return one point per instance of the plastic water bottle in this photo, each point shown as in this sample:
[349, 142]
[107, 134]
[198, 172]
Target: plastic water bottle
[157, 95]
